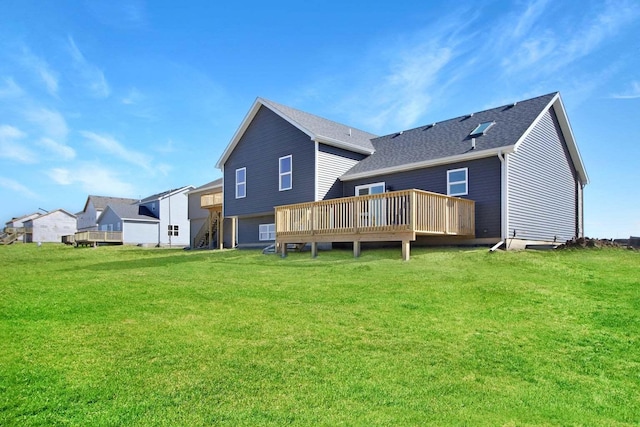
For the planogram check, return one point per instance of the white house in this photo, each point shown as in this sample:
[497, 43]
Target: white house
[50, 227]
[94, 206]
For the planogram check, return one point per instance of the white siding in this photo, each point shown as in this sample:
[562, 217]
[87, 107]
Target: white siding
[174, 210]
[140, 233]
[542, 186]
[330, 167]
[51, 227]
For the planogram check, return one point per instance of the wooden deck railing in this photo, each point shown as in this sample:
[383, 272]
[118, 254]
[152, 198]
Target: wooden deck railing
[211, 200]
[98, 237]
[407, 211]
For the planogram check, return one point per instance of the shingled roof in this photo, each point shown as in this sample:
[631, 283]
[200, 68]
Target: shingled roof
[317, 128]
[101, 202]
[164, 194]
[132, 212]
[450, 139]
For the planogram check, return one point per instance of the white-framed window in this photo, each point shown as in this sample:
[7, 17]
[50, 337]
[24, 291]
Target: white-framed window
[366, 189]
[173, 230]
[285, 175]
[267, 232]
[241, 183]
[458, 182]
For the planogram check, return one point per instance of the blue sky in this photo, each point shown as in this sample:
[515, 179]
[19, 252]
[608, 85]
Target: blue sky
[130, 98]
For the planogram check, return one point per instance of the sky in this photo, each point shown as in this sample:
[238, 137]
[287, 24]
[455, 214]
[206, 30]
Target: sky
[129, 98]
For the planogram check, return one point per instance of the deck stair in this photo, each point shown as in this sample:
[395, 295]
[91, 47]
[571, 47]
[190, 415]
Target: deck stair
[11, 235]
[202, 238]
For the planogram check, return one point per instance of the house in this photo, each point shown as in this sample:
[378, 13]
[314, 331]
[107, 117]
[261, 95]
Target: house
[50, 227]
[205, 217]
[511, 175]
[93, 207]
[159, 220]
[14, 229]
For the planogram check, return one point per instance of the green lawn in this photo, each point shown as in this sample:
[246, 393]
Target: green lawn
[130, 336]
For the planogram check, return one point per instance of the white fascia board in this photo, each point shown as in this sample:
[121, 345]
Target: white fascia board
[204, 189]
[247, 121]
[342, 144]
[430, 163]
[565, 127]
[572, 146]
[178, 191]
[140, 220]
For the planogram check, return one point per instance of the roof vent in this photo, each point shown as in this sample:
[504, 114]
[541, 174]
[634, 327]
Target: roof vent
[349, 131]
[473, 143]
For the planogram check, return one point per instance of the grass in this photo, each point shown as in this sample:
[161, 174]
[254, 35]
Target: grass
[130, 336]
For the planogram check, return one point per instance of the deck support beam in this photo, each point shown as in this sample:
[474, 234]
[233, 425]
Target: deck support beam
[314, 249]
[283, 250]
[406, 250]
[356, 249]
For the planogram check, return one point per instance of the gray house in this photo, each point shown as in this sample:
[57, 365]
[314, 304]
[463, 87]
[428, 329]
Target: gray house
[160, 219]
[93, 208]
[510, 174]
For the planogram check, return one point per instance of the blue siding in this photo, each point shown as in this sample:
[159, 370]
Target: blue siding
[333, 163]
[267, 138]
[249, 228]
[542, 185]
[484, 188]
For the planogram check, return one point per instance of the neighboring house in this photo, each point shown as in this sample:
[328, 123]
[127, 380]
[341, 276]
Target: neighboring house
[161, 219]
[137, 225]
[518, 163]
[50, 227]
[205, 217]
[94, 206]
[14, 229]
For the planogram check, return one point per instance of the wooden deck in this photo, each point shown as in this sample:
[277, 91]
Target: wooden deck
[394, 216]
[212, 200]
[87, 238]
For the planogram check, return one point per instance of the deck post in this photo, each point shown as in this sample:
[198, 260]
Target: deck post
[314, 249]
[406, 250]
[283, 249]
[356, 249]
[220, 231]
[233, 231]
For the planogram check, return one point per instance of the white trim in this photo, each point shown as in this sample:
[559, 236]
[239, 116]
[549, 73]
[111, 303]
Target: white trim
[241, 182]
[270, 232]
[369, 186]
[465, 182]
[316, 191]
[429, 163]
[282, 174]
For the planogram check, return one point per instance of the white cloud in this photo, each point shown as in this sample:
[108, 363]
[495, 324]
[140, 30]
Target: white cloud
[10, 89]
[133, 97]
[92, 76]
[112, 146]
[61, 150]
[94, 179]
[51, 122]
[632, 93]
[14, 185]
[11, 146]
[42, 69]
[549, 50]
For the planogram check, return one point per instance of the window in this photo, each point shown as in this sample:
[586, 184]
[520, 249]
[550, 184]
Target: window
[458, 182]
[365, 190]
[482, 128]
[267, 232]
[173, 230]
[241, 183]
[285, 174]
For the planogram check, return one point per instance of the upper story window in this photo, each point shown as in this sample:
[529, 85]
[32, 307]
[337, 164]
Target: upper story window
[285, 173]
[241, 183]
[458, 182]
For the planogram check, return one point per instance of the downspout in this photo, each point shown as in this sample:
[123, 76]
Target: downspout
[504, 223]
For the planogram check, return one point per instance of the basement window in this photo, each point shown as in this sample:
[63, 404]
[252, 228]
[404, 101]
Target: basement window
[267, 232]
[482, 128]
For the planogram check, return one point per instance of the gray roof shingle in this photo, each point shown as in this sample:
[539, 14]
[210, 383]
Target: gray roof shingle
[451, 137]
[101, 202]
[322, 127]
[132, 211]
